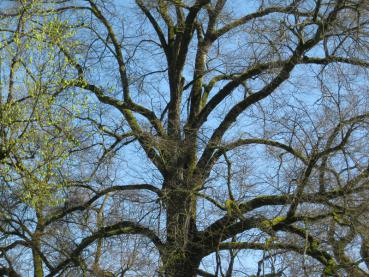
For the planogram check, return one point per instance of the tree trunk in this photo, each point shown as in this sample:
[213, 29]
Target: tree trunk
[36, 240]
[181, 258]
[186, 267]
[37, 260]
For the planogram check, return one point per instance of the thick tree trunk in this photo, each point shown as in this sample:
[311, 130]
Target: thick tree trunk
[182, 258]
[180, 218]
[36, 240]
[186, 267]
[37, 260]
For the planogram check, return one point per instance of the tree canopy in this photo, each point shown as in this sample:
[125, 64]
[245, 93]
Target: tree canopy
[184, 138]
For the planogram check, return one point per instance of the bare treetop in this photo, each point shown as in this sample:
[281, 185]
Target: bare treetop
[184, 138]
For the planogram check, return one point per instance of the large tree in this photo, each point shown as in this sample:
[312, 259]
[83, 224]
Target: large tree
[203, 135]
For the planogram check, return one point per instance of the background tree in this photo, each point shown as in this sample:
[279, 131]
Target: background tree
[244, 128]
